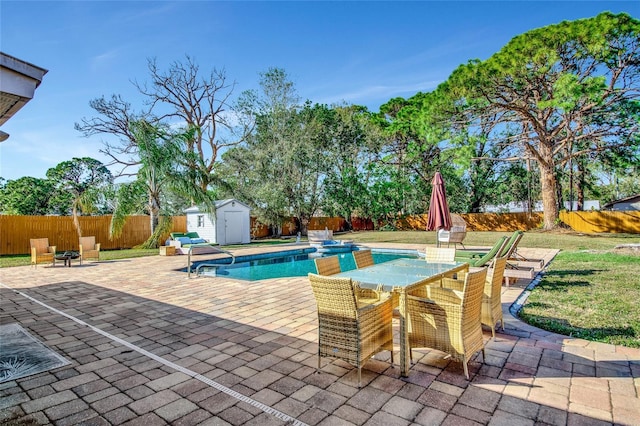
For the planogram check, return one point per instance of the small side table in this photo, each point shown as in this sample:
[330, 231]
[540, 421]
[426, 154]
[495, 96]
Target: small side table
[167, 250]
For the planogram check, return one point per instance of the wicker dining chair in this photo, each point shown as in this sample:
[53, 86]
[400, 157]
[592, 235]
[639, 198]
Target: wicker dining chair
[346, 330]
[42, 252]
[363, 258]
[440, 254]
[491, 299]
[89, 249]
[449, 320]
[330, 265]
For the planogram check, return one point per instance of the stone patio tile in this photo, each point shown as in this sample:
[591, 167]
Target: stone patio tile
[41, 404]
[352, 415]
[153, 401]
[85, 418]
[503, 418]
[176, 409]
[313, 416]
[111, 403]
[401, 407]
[382, 418]
[369, 400]
[146, 420]
[235, 415]
[119, 415]
[168, 381]
[66, 409]
[552, 416]
[481, 399]
[292, 407]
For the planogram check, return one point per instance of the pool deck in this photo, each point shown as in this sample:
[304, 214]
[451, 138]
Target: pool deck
[148, 346]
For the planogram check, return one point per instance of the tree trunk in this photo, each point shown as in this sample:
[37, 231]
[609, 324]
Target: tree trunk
[549, 196]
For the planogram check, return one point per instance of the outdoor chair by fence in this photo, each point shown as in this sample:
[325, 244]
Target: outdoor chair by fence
[363, 258]
[346, 330]
[89, 249]
[440, 254]
[42, 252]
[330, 265]
[449, 320]
[456, 234]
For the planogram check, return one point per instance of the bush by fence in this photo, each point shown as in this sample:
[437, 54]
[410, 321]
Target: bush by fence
[17, 230]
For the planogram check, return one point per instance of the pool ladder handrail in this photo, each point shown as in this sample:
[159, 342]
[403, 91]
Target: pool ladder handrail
[233, 260]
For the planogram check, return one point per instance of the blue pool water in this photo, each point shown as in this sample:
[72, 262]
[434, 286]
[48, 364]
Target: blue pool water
[288, 266]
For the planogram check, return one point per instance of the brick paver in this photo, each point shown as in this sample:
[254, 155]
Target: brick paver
[259, 339]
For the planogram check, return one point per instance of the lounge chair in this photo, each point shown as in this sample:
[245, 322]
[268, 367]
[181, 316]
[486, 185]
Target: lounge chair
[449, 320]
[507, 251]
[182, 241]
[348, 330]
[487, 257]
[42, 252]
[89, 249]
[456, 234]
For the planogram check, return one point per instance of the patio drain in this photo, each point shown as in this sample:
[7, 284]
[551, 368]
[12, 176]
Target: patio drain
[265, 408]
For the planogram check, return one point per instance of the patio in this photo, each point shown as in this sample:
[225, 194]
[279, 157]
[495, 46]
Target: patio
[149, 346]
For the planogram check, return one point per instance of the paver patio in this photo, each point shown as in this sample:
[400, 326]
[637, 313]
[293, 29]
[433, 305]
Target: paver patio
[149, 347]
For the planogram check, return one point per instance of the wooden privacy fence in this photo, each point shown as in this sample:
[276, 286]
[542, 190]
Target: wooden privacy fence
[603, 221]
[17, 230]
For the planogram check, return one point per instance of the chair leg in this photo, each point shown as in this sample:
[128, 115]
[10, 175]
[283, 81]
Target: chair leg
[391, 350]
[359, 377]
[466, 369]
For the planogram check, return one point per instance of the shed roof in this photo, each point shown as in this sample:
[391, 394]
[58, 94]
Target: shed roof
[632, 198]
[218, 204]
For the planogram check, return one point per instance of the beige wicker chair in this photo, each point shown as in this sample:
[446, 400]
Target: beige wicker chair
[363, 258]
[456, 234]
[491, 300]
[330, 265]
[492, 297]
[346, 330]
[449, 320]
[89, 249]
[42, 252]
[440, 254]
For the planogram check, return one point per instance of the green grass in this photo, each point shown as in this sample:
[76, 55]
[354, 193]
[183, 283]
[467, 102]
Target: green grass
[589, 290]
[590, 295]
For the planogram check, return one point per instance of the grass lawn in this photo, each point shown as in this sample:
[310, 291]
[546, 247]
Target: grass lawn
[590, 290]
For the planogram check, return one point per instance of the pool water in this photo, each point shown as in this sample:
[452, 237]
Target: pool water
[288, 266]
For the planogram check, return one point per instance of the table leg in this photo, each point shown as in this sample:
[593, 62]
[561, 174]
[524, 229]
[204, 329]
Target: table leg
[405, 361]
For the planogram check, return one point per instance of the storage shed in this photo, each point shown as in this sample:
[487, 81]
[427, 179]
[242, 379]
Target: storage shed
[230, 224]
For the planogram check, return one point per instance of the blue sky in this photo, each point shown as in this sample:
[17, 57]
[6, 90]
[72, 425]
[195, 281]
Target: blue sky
[356, 52]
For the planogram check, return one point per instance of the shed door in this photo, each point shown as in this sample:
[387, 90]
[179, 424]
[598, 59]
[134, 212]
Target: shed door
[233, 227]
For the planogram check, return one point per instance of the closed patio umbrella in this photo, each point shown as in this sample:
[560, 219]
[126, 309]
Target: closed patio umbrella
[439, 216]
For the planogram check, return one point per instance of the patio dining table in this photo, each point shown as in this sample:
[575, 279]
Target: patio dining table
[401, 276]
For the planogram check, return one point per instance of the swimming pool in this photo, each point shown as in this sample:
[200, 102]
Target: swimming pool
[292, 265]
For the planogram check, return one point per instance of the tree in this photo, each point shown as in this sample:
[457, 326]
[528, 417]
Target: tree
[161, 157]
[25, 196]
[563, 85]
[179, 96]
[353, 142]
[182, 95]
[280, 168]
[83, 178]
